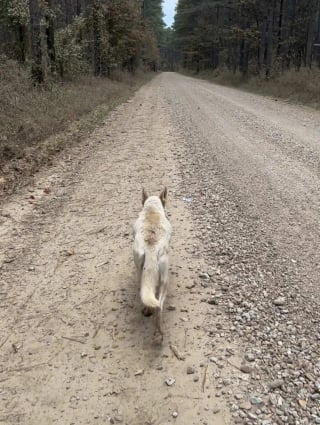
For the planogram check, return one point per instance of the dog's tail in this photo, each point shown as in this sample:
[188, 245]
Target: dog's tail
[148, 297]
[149, 281]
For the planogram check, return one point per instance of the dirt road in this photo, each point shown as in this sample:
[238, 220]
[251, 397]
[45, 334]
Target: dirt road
[243, 304]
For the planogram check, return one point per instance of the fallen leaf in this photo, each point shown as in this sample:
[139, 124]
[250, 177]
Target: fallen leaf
[68, 252]
[302, 403]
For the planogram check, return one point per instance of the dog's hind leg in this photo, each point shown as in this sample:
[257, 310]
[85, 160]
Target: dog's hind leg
[163, 286]
[163, 278]
[139, 257]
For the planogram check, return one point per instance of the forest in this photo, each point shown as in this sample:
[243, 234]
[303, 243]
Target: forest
[65, 38]
[248, 36]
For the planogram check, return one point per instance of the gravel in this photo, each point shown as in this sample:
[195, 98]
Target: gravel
[249, 168]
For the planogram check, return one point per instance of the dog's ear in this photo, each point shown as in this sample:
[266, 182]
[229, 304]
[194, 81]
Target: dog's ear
[144, 196]
[163, 196]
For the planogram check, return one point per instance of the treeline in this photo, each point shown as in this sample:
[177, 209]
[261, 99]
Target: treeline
[250, 36]
[65, 38]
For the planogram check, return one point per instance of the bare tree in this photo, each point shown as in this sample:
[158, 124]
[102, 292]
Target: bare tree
[37, 72]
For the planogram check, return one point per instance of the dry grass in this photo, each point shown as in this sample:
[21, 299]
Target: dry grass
[35, 124]
[298, 87]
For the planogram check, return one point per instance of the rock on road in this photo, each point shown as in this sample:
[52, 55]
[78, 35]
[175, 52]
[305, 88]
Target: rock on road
[243, 304]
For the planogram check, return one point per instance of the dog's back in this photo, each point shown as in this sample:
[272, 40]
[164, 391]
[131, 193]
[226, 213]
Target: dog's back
[153, 227]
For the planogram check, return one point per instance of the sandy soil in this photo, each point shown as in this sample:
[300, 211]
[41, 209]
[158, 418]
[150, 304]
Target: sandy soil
[75, 348]
[243, 177]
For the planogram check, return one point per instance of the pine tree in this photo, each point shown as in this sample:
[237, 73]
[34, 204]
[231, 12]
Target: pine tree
[259, 35]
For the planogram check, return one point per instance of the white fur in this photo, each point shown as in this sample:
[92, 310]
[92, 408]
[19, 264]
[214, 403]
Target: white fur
[152, 234]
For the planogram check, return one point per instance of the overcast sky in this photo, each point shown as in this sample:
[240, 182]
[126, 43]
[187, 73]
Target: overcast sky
[168, 9]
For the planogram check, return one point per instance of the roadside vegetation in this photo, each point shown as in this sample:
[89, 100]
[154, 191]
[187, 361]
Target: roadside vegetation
[36, 124]
[63, 66]
[297, 87]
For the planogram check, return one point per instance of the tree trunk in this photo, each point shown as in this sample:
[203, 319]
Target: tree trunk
[96, 41]
[317, 39]
[262, 43]
[291, 52]
[69, 12]
[37, 72]
[269, 40]
[311, 31]
[244, 54]
[22, 43]
[78, 7]
[50, 39]
[280, 30]
[244, 58]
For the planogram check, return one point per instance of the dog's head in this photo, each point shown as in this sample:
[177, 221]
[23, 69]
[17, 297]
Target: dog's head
[163, 196]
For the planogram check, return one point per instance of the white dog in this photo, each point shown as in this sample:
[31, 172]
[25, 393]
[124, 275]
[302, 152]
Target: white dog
[152, 234]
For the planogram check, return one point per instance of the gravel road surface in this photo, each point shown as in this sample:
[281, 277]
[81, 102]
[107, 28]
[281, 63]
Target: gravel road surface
[241, 320]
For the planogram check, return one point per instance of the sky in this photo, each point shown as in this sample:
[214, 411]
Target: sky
[168, 10]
